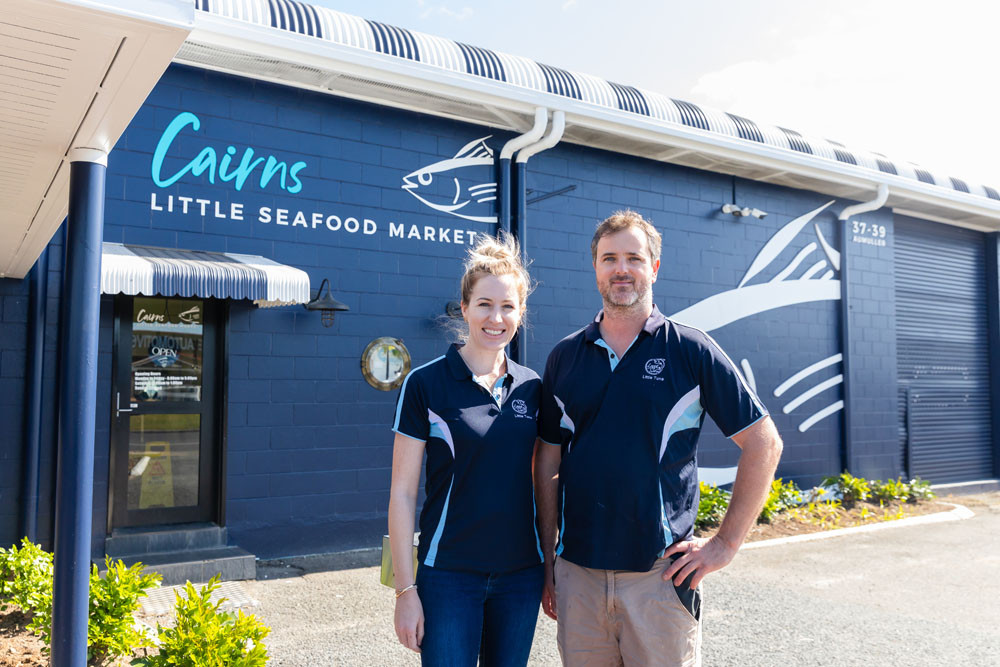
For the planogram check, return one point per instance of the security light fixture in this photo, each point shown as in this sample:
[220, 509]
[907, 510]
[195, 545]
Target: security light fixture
[326, 305]
[743, 212]
[453, 309]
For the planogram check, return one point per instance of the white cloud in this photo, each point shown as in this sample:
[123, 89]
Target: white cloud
[913, 84]
[568, 4]
[443, 10]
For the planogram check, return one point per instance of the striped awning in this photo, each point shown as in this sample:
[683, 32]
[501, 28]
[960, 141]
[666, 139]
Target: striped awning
[133, 270]
[322, 23]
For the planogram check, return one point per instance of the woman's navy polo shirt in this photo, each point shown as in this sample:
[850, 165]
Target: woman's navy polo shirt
[479, 514]
[629, 430]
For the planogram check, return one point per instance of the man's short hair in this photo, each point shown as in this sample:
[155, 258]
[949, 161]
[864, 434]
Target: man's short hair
[621, 220]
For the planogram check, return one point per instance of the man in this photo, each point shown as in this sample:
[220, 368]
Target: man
[623, 400]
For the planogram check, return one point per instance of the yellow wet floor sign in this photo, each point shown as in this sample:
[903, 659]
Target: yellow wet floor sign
[157, 486]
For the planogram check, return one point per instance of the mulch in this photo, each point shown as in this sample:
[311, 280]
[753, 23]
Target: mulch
[18, 646]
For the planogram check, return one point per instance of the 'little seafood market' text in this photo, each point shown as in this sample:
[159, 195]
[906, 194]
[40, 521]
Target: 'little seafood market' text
[221, 210]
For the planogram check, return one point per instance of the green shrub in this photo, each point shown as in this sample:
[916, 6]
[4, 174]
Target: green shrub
[893, 490]
[852, 489]
[711, 506]
[26, 578]
[781, 497]
[920, 489]
[113, 601]
[111, 630]
[207, 637]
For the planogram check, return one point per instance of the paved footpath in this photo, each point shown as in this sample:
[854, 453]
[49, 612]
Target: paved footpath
[921, 595]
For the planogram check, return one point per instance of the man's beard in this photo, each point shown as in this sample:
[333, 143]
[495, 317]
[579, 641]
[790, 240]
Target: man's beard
[627, 302]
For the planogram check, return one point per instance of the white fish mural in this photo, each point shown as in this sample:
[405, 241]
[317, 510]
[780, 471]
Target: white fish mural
[790, 286]
[461, 186]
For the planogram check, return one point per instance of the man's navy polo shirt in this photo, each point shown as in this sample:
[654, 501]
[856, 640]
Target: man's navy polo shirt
[479, 515]
[628, 429]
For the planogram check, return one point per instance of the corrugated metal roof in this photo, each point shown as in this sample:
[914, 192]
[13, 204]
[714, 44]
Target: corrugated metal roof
[346, 30]
[151, 271]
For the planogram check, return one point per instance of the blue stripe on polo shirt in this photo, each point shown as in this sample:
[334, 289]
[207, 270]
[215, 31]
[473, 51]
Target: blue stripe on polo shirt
[433, 550]
[749, 425]
[402, 395]
[538, 540]
[685, 414]
[668, 535]
[562, 525]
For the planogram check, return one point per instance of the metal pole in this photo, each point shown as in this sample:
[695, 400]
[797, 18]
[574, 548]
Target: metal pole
[504, 222]
[81, 299]
[33, 422]
[520, 231]
[847, 446]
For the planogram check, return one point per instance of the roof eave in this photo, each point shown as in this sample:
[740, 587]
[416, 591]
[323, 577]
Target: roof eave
[218, 43]
[123, 48]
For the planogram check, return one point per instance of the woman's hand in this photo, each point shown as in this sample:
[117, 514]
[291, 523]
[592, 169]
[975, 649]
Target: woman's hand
[409, 620]
[549, 593]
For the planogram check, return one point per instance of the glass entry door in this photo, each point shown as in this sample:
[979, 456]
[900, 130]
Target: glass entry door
[164, 453]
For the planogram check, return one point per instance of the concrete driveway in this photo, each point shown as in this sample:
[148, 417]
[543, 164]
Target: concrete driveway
[919, 595]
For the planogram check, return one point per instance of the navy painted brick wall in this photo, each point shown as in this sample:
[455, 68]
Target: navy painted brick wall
[874, 399]
[296, 388]
[14, 295]
[309, 449]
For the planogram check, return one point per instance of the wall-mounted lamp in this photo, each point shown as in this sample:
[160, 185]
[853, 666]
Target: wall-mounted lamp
[453, 309]
[326, 305]
[743, 212]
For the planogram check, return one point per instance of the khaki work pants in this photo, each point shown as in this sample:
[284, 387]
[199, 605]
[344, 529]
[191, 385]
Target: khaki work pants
[610, 618]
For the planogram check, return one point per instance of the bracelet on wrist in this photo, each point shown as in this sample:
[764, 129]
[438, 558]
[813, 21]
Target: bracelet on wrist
[400, 592]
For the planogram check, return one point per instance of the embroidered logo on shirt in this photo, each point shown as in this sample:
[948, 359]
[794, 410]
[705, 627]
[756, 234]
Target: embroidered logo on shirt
[655, 366]
[520, 407]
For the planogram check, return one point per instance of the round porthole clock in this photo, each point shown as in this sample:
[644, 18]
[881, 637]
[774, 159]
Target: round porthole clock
[385, 362]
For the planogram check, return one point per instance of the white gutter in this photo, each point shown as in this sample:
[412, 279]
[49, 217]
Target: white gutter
[529, 137]
[865, 207]
[550, 140]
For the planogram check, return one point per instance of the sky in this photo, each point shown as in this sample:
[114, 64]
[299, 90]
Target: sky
[913, 79]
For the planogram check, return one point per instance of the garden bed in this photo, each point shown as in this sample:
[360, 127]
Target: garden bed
[861, 514]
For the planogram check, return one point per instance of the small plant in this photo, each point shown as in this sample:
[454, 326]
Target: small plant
[711, 506]
[111, 631]
[207, 637]
[852, 489]
[26, 578]
[893, 490]
[113, 601]
[920, 489]
[781, 497]
[824, 514]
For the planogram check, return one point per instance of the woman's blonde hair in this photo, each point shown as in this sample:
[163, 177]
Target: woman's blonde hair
[495, 256]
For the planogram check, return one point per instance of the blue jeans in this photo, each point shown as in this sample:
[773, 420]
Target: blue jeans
[470, 616]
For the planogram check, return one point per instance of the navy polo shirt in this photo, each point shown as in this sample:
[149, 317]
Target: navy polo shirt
[628, 427]
[479, 515]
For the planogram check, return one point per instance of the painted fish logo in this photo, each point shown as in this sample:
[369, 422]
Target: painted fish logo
[520, 407]
[655, 366]
[451, 186]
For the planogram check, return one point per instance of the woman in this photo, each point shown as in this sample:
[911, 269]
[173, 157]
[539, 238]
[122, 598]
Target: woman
[479, 584]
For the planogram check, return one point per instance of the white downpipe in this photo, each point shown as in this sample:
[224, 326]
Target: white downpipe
[550, 140]
[529, 137]
[865, 207]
